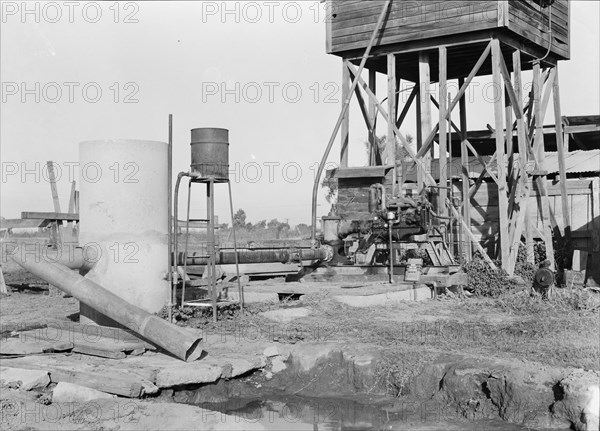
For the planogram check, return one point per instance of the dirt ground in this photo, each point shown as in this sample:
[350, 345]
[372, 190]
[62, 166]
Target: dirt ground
[562, 332]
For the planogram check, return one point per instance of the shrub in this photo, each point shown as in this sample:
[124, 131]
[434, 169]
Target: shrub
[486, 281]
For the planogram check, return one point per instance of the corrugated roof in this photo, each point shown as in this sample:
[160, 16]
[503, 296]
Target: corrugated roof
[576, 162]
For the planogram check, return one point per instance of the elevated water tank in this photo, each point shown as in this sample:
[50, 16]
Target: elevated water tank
[123, 220]
[210, 153]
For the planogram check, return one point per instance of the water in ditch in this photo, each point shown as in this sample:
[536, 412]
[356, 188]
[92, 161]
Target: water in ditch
[315, 414]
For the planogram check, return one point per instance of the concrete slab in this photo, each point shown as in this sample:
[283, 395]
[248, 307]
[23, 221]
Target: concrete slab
[187, 374]
[71, 393]
[251, 297]
[361, 301]
[30, 379]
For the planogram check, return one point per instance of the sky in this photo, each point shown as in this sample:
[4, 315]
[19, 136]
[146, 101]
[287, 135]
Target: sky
[77, 71]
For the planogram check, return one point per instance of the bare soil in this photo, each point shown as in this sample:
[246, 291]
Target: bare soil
[562, 332]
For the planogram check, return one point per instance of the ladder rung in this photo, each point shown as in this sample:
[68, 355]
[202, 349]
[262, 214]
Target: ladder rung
[199, 219]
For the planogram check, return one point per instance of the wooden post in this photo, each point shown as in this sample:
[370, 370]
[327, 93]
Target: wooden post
[540, 155]
[560, 147]
[373, 141]
[55, 238]
[443, 144]
[52, 179]
[464, 157]
[3, 288]
[499, 125]
[425, 112]
[345, 128]
[391, 137]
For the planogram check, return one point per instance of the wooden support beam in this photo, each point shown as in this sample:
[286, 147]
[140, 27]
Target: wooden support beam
[407, 106]
[53, 188]
[500, 152]
[519, 223]
[560, 147]
[374, 154]
[369, 117]
[464, 157]
[72, 198]
[391, 138]
[443, 141]
[519, 210]
[540, 155]
[49, 216]
[345, 127]
[425, 114]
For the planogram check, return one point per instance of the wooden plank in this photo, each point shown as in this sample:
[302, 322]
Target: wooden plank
[391, 137]
[499, 125]
[398, 32]
[407, 106]
[596, 216]
[3, 288]
[443, 141]
[561, 156]
[464, 154]
[360, 172]
[425, 113]
[345, 127]
[375, 156]
[49, 216]
[53, 189]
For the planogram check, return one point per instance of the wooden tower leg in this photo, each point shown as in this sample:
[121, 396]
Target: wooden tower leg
[560, 147]
[500, 154]
[540, 155]
[346, 119]
[443, 110]
[391, 137]
[424, 111]
[464, 157]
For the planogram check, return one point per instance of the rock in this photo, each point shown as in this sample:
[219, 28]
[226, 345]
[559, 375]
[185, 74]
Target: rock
[29, 379]
[239, 366]
[71, 393]
[271, 351]
[285, 315]
[277, 364]
[578, 399]
[186, 374]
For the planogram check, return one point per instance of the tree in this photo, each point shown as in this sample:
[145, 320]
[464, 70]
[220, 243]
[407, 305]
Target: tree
[303, 230]
[261, 225]
[239, 219]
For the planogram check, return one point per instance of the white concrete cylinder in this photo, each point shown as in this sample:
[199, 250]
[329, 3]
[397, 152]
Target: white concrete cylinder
[123, 220]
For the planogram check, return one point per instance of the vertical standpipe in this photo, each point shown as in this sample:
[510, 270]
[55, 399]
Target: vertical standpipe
[123, 222]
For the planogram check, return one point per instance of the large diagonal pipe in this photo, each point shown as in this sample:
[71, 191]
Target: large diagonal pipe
[175, 340]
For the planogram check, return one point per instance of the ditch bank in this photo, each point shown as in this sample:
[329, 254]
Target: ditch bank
[327, 380]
